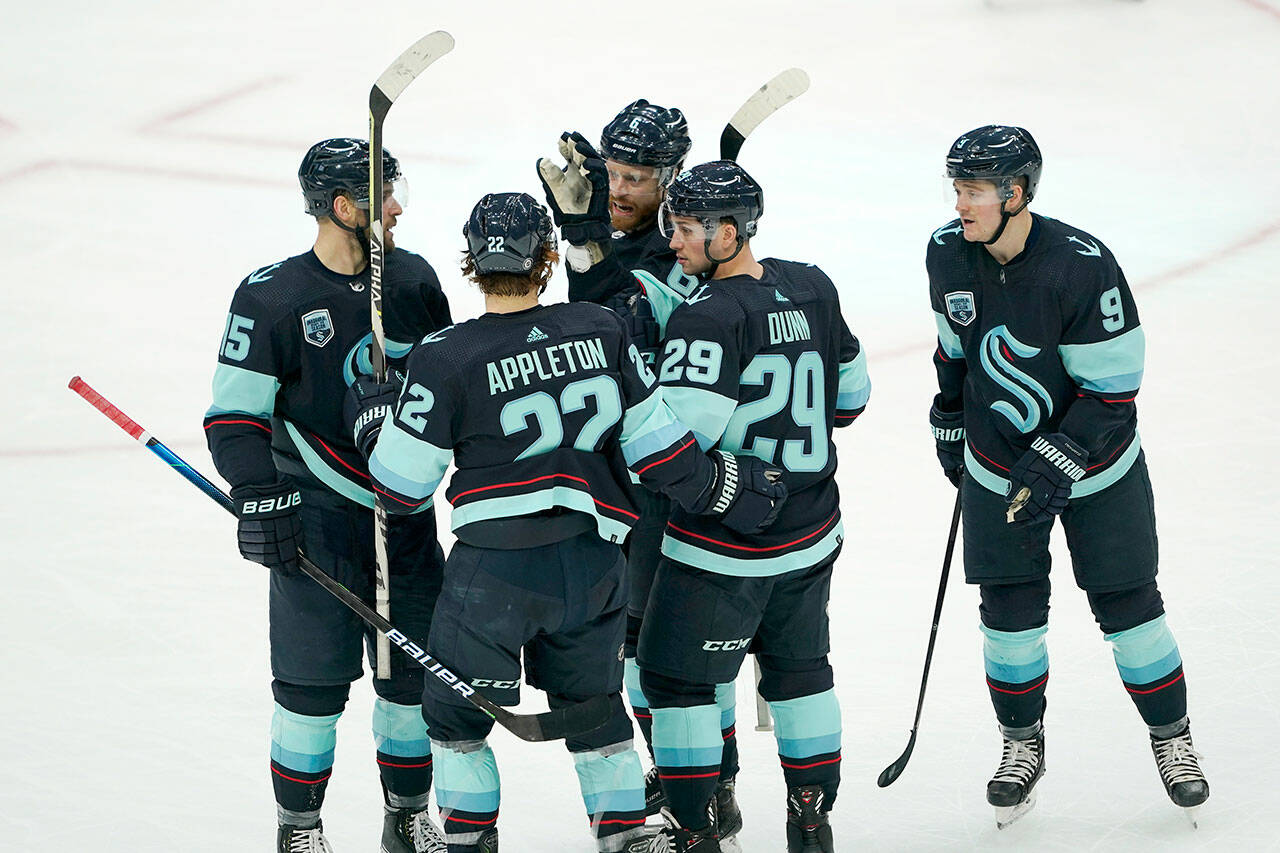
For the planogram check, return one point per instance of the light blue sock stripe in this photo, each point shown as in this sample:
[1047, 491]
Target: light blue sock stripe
[399, 729]
[727, 702]
[807, 723]
[1015, 657]
[466, 780]
[610, 783]
[301, 742]
[1145, 649]
[687, 737]
[631, 680]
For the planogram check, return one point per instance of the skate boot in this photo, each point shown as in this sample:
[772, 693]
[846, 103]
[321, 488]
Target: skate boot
[728, 816]
[808, 828]
[409, 831]
[654, 797]
[486, 843]
[1012, 789]
[296, 839]
[678, 839]
[1179, 766]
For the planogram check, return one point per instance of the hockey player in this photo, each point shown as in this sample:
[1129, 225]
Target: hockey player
[759, 362]
[643, 148]
[543, 409]
[1039, 358]
[298, 333]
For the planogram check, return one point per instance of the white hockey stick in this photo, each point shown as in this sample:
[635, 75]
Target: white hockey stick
[764, 102]
[390, 85]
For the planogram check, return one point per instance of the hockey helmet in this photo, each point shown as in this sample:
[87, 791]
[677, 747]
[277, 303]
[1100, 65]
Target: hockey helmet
[505, 232]
[645, 134]
[342, 165]
[997, 153]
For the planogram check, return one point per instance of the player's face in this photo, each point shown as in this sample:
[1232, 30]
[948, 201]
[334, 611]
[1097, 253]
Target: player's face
[689, 241]
[390, 210]
[978, 204]
[634, 195]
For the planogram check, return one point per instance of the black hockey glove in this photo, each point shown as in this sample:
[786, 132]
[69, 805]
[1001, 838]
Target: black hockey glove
[579, 193]
[1047, 471]
[367, 405]
[269, 531]
[948, 437]
[642, 326]
[745, 493]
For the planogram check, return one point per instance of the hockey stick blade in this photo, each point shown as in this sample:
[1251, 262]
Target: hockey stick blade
[764, 102]
[555, 724]
[891, 773]
[407, 66]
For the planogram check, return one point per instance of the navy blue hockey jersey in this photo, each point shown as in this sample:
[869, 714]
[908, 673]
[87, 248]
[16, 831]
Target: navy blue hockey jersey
[542, 410]
[642, 250]
[296, 337]
[765, 368]
[1049, 342]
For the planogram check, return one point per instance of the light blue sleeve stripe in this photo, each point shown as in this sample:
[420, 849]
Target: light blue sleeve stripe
[947, 339]
[648, 427]
[1144, 645]
[399, 729]
[855, 386]
[395, 349]
[326, 474]
[807, 746]
[704, 412]
[1151, 672]
[1015, 657]
[238, 390]
[406, 464]
[1109, 366]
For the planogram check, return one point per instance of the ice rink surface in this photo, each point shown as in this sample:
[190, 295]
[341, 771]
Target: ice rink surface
[147, 161]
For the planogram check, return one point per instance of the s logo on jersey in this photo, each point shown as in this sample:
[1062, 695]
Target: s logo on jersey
[317, 327]
[995, 344]
[960, 306]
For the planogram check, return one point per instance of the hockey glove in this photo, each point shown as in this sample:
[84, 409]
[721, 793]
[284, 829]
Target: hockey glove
[948, 437]
[1047, 471]
[745, 493]
[367, 405]
[579, 193]
[269, 531]
[642, 326]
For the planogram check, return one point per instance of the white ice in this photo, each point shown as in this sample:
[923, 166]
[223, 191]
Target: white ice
[147, 160]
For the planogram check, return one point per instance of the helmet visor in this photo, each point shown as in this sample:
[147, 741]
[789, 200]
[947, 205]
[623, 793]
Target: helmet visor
[689, 227]
[397, 190]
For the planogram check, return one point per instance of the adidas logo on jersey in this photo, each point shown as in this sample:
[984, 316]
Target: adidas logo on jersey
[778, 297]
[536, 334]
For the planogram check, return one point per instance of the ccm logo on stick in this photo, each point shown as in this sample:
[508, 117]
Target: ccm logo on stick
[725, 645]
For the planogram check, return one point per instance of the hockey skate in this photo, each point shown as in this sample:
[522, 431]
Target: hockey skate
[295, 839]
[1012, 789]
[677, 839]
[1179, 766]
[728, 817]
[654, 797]
[808, 828]
[409, 831]
[486, 843]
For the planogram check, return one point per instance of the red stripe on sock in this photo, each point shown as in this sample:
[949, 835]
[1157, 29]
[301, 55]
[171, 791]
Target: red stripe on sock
[1039, 683]
[1171, 681]
[835, 760]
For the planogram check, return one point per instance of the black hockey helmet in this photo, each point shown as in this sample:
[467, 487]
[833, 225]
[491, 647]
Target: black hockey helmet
[997, 153]
[645, 134]
[341, 165]
[505, 232]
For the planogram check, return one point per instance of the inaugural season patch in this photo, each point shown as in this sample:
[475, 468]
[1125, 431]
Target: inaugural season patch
[317, 327]
[960, 307]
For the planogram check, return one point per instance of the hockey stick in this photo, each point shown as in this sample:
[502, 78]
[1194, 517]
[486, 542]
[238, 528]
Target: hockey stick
[764, 102]
[390, 84]
[764, 719]
[891, 773]
[549, 725]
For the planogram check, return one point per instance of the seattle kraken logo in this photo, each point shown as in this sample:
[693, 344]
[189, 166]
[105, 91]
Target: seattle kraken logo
[995, 344]
[358, 360]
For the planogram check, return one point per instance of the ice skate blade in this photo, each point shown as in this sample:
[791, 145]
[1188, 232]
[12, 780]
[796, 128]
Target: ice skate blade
[1006, 815]
[1192, 814]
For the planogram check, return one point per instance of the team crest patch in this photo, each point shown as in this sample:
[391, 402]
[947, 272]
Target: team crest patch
[960, 307]
[317, 327]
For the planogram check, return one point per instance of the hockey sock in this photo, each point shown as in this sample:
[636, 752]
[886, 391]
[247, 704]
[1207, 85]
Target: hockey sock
[687, 747]
[1017, 666]
[301, 759]
[808, 733]
[726, 701]
[404, 753]
[612, 785]
[639, 704]
[1151, 670]
[467, 789]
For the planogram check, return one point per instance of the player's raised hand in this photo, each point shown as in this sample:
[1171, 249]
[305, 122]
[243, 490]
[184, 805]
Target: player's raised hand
[578, 192]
